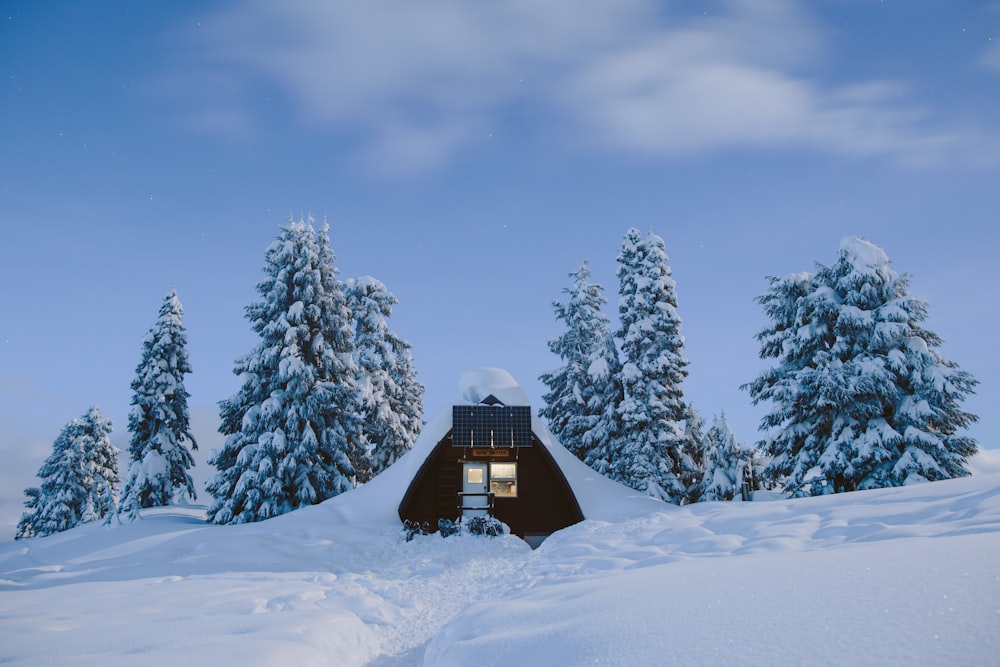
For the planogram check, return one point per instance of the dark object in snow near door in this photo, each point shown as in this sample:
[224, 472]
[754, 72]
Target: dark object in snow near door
[447, 527]
[481, 525]
[491, 466]
[475, 526]
[413, 528]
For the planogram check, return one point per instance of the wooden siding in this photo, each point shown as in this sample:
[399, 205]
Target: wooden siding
[544, 503]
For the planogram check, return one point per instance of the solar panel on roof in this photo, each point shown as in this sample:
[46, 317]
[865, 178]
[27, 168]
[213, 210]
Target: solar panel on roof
[491, 426]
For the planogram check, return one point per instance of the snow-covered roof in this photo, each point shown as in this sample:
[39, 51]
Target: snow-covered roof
[478, 384]
[599, 497]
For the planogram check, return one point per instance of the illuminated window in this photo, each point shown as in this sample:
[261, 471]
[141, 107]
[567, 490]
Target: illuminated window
[475, 476]
[503, 480]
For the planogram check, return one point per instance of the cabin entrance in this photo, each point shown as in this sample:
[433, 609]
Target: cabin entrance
[474, 500]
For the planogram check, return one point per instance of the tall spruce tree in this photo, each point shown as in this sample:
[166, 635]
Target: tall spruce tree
[586, 390]
[652, 456]
[391, 395]
[159, 420]
[345, 426]
[725, 463]
[293, 427]
[79, 479]
[861, 396]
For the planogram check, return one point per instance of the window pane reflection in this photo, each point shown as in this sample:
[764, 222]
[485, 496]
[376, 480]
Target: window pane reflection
[503, 479]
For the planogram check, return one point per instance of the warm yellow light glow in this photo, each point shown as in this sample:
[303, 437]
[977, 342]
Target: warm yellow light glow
[503, 480]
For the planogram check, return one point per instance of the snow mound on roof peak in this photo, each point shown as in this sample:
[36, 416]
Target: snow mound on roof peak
[478, 383]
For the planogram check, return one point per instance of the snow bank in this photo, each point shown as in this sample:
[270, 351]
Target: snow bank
[986, 462]
[893, 576]
[903, 576]
[870, 605]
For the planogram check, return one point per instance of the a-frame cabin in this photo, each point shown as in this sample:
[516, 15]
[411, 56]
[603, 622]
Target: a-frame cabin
[492, 462]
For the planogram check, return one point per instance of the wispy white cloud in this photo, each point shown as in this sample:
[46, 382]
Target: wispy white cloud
[234, 123]
[990, 56]
[415, 83]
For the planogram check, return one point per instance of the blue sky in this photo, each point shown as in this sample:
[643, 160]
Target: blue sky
[470, 156]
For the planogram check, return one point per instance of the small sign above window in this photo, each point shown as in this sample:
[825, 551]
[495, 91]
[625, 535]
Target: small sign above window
[486, 452]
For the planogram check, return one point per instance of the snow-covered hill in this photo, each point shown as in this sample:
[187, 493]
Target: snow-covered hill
[904, 576]
[907, 575]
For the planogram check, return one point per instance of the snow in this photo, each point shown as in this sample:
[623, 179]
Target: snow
[907, 575]
[863, 254]
[475, 385]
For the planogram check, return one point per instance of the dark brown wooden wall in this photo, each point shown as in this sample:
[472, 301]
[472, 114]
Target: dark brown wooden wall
[544, 504]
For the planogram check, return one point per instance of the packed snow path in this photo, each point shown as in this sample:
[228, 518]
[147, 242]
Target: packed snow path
[911, 574]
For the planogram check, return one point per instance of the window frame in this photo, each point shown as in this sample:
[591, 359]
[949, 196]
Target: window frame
[511, 490]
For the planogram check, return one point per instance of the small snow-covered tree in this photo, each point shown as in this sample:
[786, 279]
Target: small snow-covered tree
[585, 391]
[408, 393]
[392, 397]
[294, 426]
[60, 503]
[79, 479]
[756, 475]
[159, 420]
[694, 451]
[651, 456]
[100, 465]
[861, 396]
[725, 463]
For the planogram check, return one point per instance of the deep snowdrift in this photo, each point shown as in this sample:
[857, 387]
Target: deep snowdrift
[908, 575]
[905, 576]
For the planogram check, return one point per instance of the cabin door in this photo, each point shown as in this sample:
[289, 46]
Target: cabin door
[475, 487]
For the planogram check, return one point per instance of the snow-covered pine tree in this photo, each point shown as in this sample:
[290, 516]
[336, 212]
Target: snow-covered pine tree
[60, 503]
[292, 427]
[408, 392]
[79, 479]
[100, 465]
[651, 456]
[159, 421]
[756, 475]
[345, 427]
[861, 397]
[585, 391]
[724, 462]
[694, 450]
[791, 443]
[393, 399]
